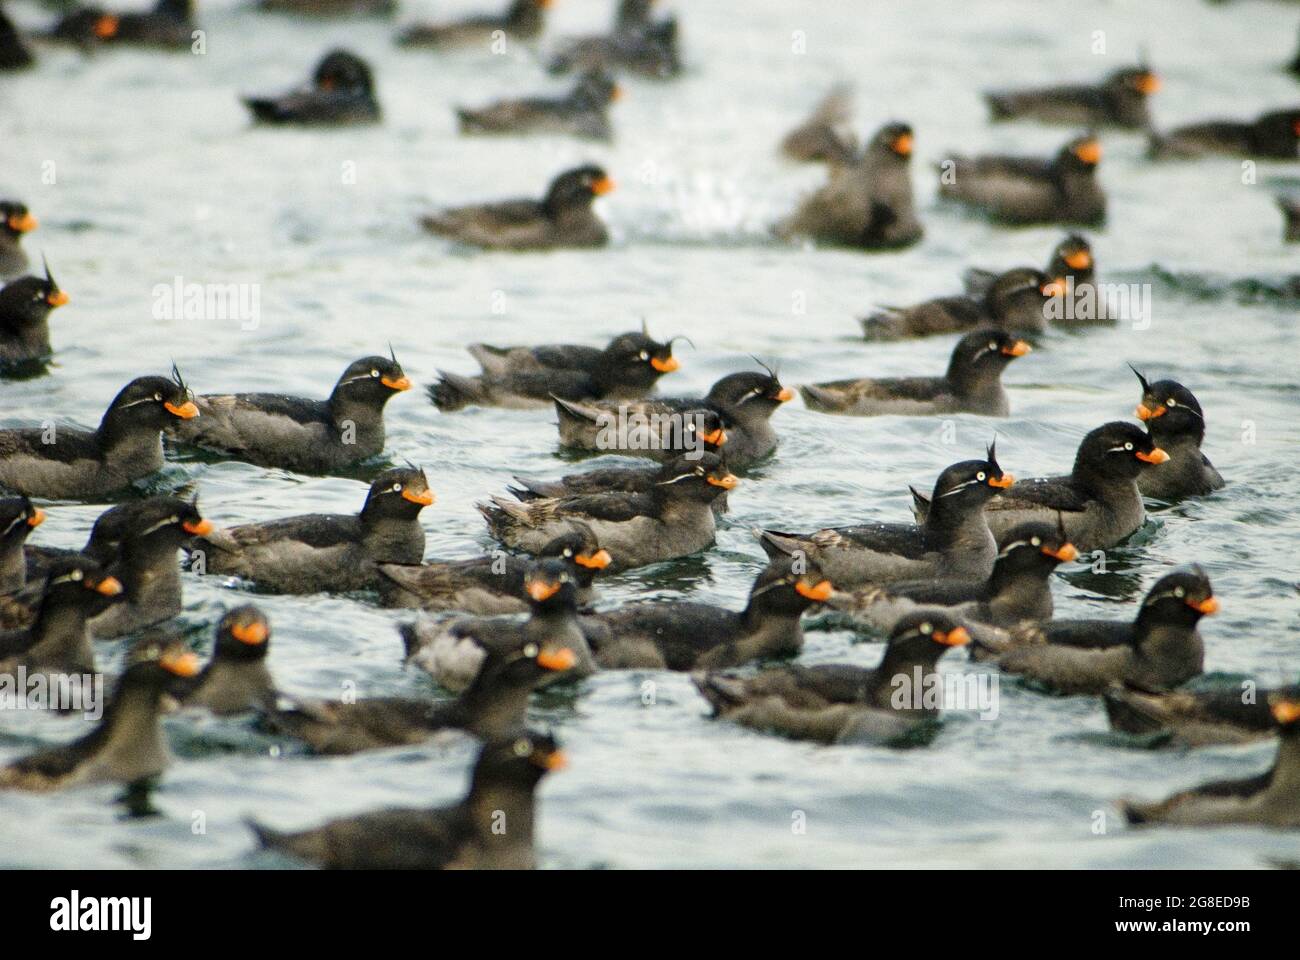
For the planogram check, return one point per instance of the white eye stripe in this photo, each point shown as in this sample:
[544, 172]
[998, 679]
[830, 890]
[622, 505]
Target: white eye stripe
[13, 523]
[158, 526]
[961, 486]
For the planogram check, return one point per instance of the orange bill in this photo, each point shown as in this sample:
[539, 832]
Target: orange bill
[37, 518]
[1148, 83]
[1002, 482]
[902, 145]
[541, 590]
[1155, 456]
[956, 637]
[422, 497]
[819, 592]
[250, 633]
[23, 222]
[186, 411]
[555, 760]
[399, 383]
[1089, 152]
[1065, 552]
[1078, 260]
[108, 587]
[603, 186]
[56, 298]
[184, 664]
[1286, 711]
[727, 482]
[666, 364]
[786, 395]
[594, 561]
[1146, 413]
[1017, 349]
[1208, 605]
[558, 660]
[198, 528]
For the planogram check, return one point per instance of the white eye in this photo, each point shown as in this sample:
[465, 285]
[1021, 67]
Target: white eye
[374, 373]
[174, 520]
[643, 355]
[1128, 446]
[1036, 541]
[530, 650]
[699, 471]
[1171, 402]
[522, 748]
[1179, 592]
[926, 628]
[38, 296]
[993, 344]
[75, 575]
[568, 552]
[158, 397]
[397, 488]
[980, 476]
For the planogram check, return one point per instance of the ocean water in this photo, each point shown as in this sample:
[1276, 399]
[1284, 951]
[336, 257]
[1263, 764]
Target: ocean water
[158, 175]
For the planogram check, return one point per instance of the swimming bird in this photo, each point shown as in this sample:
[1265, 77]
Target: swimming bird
[128, 746]
[1098, 501]
[1017, 590]
[662, 428]
[629, 366]
[319, 552]
[295, 433]
[1119, 100]
[672, 520]
[66, 463]
[453, 649]
[686, 635]
[15, 220]
[341, 91]
[1025, 190]
[563, 218]
[1176, 424]
[867, 201]
[1017, 301]
[953, 541]
[464, 836]
[25, 306]
[1269, 799]
[522, 20]
[236, 679]
[972, 384]
[493, 583]
[1159, 650]
[582, 112]
[843, 703]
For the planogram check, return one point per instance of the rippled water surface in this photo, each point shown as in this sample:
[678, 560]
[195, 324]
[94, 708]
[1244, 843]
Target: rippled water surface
[158, 175]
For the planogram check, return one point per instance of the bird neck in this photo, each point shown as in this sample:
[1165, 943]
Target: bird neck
[13, 565]
[61, 637]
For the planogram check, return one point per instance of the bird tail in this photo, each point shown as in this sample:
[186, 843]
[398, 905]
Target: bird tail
[454, 392]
